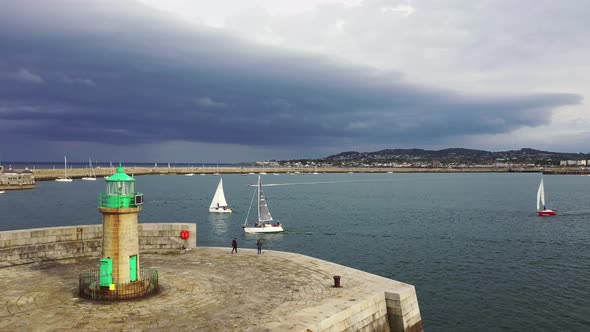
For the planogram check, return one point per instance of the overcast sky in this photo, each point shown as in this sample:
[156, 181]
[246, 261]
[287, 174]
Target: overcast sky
[228, 81]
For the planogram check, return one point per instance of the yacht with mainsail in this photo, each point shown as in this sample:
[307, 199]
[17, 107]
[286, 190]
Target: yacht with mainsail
[218, 204]
[541, 208]
[265, 223]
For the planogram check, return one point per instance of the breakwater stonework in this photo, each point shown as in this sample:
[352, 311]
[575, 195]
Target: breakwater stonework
[205, 289]
[55, 243]
[77, 173]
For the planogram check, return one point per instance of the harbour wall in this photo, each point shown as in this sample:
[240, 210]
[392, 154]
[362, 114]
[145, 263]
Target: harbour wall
[53, 243]
[393, 309]
[77, 173]
[367, 303]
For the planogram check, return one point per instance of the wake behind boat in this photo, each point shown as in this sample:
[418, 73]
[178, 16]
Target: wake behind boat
[265, 223]
[541, 208]
[219, 204]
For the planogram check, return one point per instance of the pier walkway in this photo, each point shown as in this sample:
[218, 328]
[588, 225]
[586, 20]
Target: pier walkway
[209, 289]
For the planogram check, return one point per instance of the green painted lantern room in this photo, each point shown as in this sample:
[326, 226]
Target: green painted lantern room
[120, 191]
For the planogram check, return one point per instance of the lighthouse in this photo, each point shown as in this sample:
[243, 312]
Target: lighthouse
[120, 206]
[119, 276]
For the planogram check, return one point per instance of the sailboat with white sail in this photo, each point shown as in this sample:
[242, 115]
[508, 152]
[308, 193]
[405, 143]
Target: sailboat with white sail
[91, 175]
[265, 223]
[219, 204]
[65, 178]
[542, 210]
[190, 173]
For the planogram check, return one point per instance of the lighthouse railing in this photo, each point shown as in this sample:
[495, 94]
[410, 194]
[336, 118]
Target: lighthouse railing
[89, 286]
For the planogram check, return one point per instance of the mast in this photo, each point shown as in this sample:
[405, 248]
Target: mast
[542, 194]
[91, 173]
[259, 189]
[263, 211]
[65, 167]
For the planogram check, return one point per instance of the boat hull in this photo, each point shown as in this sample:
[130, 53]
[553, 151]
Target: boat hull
[63, 180]
[89, 179]
[547, 212]
[220, 210]
[264, 229]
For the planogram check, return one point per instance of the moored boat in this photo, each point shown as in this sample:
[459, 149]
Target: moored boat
[91, 175]
[65, 178]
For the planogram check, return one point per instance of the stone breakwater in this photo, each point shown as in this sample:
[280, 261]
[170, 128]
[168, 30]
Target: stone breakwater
[77, 173]
[55, 243]
[209, 289]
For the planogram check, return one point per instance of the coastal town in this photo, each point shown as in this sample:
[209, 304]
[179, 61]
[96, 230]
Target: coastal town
[384, 161]
[447, 158]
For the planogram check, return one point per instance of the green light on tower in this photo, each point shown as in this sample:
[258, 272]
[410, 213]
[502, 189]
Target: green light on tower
[120, 191]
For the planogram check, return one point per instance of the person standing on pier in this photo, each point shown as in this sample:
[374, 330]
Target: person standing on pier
[259, 245]
[234, 245]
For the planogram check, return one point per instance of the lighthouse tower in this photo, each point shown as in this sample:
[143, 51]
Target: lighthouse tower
[120, 249]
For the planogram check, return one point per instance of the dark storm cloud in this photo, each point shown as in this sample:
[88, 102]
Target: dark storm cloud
[120, 73]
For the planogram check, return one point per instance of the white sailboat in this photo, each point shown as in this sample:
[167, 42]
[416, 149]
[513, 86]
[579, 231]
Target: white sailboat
[541, 208]
[218, 204]
[65, 178]
[265, 223]
[190, 173]
[91, 175]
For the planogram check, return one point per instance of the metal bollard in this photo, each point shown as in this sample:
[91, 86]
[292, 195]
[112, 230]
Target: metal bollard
[337, 282]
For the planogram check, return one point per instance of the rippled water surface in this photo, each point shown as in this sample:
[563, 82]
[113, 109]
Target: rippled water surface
[471, 243]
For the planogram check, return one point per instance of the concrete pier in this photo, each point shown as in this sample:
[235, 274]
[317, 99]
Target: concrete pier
[209, 289]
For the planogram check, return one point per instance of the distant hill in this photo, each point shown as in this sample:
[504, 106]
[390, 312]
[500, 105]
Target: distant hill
[454, 156]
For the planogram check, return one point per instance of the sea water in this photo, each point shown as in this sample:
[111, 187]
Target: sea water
[472, 244]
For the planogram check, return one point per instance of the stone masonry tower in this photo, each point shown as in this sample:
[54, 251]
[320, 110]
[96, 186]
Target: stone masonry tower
[120, 250]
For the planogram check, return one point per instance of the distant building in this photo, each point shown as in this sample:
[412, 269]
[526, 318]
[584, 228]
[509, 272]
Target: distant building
[574, 162]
